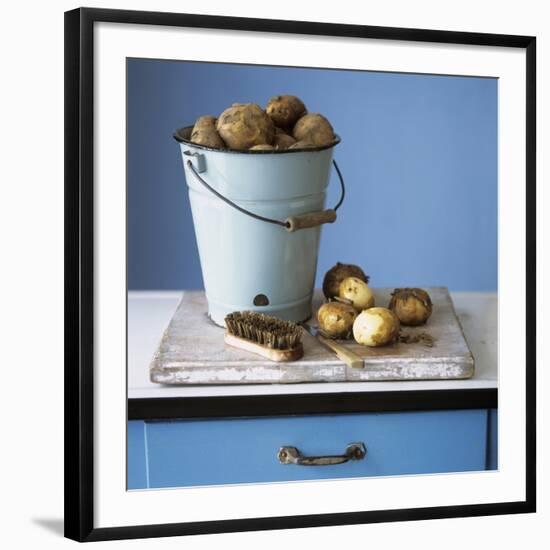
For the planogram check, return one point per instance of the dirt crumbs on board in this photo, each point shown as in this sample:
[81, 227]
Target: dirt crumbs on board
[419, 338]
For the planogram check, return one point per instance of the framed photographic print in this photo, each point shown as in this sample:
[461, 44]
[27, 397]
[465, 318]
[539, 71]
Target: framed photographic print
[300, 274]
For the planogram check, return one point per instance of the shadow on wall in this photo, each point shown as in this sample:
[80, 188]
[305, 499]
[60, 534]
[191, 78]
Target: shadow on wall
[418, 152]
[54, 525]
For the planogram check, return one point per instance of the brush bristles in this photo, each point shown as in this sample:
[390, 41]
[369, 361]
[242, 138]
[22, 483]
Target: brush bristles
[264, 330]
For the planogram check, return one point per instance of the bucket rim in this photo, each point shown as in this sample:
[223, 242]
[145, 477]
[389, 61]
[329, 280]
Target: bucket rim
[179, 136]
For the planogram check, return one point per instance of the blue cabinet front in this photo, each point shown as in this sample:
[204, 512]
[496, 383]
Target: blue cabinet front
[137, 455]
[244, 450]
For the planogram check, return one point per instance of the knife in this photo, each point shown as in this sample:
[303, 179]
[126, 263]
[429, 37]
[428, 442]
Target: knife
[350, 358]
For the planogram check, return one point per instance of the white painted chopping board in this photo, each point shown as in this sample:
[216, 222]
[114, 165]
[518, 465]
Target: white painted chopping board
[192, 351]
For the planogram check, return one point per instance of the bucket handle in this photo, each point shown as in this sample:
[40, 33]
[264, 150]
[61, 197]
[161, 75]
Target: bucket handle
[293, 223]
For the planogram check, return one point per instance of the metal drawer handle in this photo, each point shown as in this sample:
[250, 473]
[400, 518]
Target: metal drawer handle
[291, 455]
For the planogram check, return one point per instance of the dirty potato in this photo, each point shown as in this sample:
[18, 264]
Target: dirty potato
[336, 319]
[242, 126]
[285, 110]
[283, 141]
[302, 145]
[314, 128]
[337, 273]
[205, 133]
[413, 306]
[262, 147]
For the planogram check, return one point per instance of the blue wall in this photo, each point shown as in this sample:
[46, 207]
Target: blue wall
[418, 152]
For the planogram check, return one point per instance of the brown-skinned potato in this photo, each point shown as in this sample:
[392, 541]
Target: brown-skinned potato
[262, 147]
[283, 141]
[337, 273]
[314, 128]
[285, 110]
[242, 126]
[336, 319]
[413, 306]
[302, 145]
[205, 133]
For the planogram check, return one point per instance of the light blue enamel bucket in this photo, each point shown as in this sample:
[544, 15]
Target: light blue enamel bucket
[257, 218]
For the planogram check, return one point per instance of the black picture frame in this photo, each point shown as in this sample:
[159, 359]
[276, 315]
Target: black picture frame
[79, 296]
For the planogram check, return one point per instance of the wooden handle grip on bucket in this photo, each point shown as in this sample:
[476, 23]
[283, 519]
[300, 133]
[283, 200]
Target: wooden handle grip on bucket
[311, 219]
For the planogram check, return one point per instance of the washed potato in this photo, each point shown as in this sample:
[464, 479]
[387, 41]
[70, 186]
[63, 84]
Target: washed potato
[205, 133]
[376, 326]
[244, 125]
[413, 306]
[285, 110]
[336, 274]
[314, 128]
[336, 319]
[357, 292]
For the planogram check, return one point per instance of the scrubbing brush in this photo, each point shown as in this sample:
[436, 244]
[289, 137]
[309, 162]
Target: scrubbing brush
[268, 336]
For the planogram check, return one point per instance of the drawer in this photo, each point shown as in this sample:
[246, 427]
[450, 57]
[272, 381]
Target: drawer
[244, 450]
[137, 456]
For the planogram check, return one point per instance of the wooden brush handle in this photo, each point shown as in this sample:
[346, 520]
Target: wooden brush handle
[349, 357]
[277, 355]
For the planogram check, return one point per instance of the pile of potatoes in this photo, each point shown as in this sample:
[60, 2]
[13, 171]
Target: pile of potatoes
[351, 309]
[283, 124]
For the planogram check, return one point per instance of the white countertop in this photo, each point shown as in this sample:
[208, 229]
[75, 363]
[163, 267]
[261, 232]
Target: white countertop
[150, 312]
